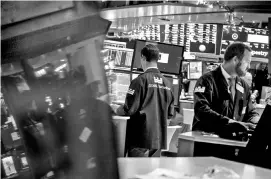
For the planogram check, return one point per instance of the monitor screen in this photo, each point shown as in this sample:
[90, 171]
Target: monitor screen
[266, 92]
[120, 58]
[9, 166]
[170, 57]
[134, 75]
[256, 39]
[258, 150]
[191, 88]
[209, 66]
[195, 70]
[175, 89]
[118, 86]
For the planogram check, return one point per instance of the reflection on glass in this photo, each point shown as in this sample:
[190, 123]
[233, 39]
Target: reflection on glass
[57, 101]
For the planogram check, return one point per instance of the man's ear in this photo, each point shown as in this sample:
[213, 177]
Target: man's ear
[235, 59]
[143, 58]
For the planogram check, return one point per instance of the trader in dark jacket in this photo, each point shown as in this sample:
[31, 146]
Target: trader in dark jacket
[221, 97]
[149, 102]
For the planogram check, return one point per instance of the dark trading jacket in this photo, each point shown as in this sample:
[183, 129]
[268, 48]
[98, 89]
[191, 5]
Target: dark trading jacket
[213, 104]
[149, 103]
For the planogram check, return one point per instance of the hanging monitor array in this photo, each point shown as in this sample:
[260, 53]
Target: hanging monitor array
[207, 38]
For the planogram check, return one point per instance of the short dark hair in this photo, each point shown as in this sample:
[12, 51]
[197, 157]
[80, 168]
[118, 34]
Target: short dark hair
[151, 52]
[236, 49]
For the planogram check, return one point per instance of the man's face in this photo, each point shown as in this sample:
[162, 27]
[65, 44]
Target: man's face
[244, 64]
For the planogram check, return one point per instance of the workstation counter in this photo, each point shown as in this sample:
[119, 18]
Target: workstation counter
[195, 143]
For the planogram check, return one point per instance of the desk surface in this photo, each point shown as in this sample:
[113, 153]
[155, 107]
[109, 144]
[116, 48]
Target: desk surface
[214, 139]
[196, 166]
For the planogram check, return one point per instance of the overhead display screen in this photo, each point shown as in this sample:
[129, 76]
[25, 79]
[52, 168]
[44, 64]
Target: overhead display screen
[200, 38]
[150, 32]
[256, 39]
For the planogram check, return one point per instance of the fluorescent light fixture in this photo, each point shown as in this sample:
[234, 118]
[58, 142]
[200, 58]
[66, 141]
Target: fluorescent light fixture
[40, 73]
[61, 67]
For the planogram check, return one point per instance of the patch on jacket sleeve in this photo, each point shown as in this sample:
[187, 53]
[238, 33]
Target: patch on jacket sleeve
[199, 89]
[131, 91]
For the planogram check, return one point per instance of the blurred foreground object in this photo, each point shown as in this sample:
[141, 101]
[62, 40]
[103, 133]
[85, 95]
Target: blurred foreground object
[66, 130]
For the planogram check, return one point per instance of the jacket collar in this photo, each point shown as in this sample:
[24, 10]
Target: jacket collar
[220, 77]
[152, 70]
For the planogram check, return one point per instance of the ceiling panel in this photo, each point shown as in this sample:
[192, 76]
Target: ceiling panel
[154, 10]
[132, 17]
[128, 24]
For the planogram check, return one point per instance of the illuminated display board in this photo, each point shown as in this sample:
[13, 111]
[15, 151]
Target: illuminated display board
[199, 38]
[256, 39]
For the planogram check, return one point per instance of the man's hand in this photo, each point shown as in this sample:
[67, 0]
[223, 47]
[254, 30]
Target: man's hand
[247, 125]
[118, 109]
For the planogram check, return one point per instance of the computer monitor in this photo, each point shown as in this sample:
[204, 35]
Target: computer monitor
[191, 88]
[9, 166]
[122, 57]
[209, 66]
[134, 75]
[266, 92]
[195, 70]
[175, 89]
[118, 86]
[258, 149]
[170, 56]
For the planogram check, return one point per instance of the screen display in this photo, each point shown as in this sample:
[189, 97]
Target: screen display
[199, 38]
[120, 57]
[191, 88]
[149, 32]
[118, 86]
[195, 70]
[8, 165]
[209, 66]
[175, 89]
[170, 57]
[256, 39]
[134, 75]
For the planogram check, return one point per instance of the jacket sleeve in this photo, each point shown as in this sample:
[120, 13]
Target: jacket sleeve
[209, 118]
[134, 96]
[251, 114]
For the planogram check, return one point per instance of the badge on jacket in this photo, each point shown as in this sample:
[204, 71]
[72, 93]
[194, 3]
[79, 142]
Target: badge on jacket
[244, 110]
[199, 89]
[240, 88]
